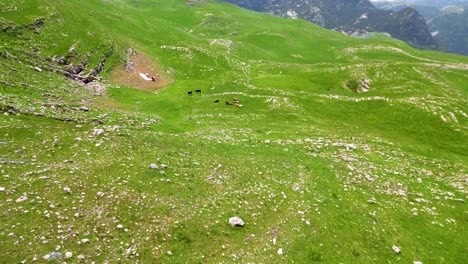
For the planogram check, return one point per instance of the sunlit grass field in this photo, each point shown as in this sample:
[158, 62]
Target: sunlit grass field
[318, 172]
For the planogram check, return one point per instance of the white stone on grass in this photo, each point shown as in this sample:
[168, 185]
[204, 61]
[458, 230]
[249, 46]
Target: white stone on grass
[236, 221]
[22, 199]
[67, 190]
[68, 255]
[98, 131]
[396, 249]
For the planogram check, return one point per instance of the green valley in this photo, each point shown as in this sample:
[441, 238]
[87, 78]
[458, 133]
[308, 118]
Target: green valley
[331, 149]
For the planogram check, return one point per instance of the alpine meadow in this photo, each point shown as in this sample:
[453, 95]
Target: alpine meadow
[134, 131]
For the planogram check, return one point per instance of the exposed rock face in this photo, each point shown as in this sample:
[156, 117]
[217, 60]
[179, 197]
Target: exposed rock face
[450, 30]
[349, 16]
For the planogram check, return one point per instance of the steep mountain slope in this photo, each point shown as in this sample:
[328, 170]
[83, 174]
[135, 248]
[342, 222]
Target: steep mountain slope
[427, 3]
[446, 20]
[334, 149]
[426, 11]
[349, 16]
[451, 31]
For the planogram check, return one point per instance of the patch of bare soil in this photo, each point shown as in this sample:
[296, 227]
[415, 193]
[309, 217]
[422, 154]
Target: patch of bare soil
[140, 72]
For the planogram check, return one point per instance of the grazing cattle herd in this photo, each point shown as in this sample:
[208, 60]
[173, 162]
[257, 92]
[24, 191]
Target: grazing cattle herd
[235, 101]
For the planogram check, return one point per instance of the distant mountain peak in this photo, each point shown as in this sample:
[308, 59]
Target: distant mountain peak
[349, 16]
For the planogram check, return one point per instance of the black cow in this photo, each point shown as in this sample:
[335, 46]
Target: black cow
[189, 93]
[198, 91]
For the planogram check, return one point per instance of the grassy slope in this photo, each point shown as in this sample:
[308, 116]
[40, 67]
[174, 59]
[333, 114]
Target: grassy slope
[276, 162]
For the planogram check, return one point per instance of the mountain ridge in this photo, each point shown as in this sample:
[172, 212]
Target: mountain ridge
[445, 19]
[349, 16]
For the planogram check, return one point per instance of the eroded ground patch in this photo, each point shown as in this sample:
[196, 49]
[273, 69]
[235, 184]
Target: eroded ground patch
[140, 72]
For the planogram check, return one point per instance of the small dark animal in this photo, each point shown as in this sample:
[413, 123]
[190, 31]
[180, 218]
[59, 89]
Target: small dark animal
[198, 91]
[216, 101]
[153, 79]
[189, 93]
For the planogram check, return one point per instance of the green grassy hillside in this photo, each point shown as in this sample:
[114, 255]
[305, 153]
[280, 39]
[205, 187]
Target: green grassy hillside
[318, 171]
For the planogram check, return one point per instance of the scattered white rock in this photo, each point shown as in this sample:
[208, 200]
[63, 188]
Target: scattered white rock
[417, 262]
[401, 193]
[280, 251]
[119, 226]
[67, 190]
[98, 131]
[81, 257]
[347, 158]
[2, 189]
[84, 240]
[163, 166]
[350, 147]
[396, 249]
[169, 253]
[22, 199]
[55, 255]
[236, 221]
[372, 201]
[153, 166]
[68, 255]
[38, 69]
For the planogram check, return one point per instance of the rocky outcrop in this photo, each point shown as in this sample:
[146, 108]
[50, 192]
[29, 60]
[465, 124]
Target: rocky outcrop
[349, 16]
[76, 72]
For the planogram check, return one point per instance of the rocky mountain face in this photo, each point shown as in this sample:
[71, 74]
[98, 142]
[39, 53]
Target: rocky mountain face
[450, 30]
[427, 8]
[447, 20]
[427, 3]
[349, 16]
